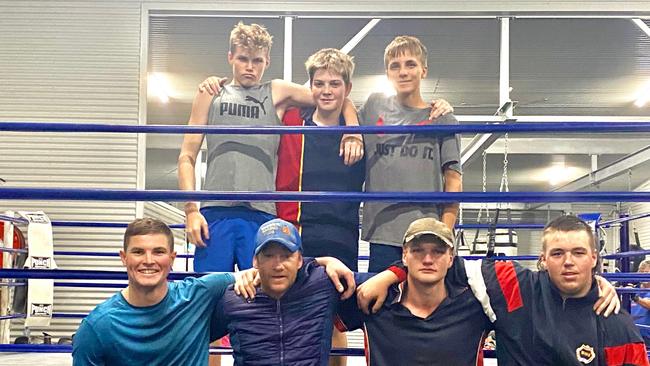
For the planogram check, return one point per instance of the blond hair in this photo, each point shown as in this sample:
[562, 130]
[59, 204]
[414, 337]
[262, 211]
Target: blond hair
[252, 37]
[644, 266]
[405, 44]
[333, 60]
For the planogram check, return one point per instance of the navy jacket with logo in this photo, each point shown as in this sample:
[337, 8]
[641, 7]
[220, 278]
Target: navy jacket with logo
[535, 326]
[294, 330]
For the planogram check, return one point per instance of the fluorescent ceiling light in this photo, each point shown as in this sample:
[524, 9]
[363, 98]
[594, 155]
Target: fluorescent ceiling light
[643, 95]
[560, 173]
[382, 85]
[158, 86]
[557, 173]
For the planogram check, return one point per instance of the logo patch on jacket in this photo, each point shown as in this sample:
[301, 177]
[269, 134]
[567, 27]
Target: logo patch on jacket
[585, 354]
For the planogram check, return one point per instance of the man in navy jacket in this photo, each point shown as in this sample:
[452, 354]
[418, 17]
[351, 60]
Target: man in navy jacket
[289, 319]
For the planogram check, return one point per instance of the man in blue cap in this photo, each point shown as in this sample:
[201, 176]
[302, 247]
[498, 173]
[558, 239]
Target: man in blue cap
[289, 319]
[277, 257]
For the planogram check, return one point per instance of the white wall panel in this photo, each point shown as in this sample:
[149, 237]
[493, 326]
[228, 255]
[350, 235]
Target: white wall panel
[71, 61]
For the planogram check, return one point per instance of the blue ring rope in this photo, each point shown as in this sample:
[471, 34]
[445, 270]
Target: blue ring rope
[90, 284]
[19, 220]
[440, 197]
[54, 315]
[627, 254]
[620, 290]
[78, 253]
[36, 348]
[619, 220]
[627, 277]
[68, 274]
[12, 284]
[628, 290]
[499, 127]
[361, 257]
[51, 348]
[507, 127]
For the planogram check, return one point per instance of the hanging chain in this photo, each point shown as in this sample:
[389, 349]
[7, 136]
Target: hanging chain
[629, 189]
[484, 204]
[484, 171]
[504, 177]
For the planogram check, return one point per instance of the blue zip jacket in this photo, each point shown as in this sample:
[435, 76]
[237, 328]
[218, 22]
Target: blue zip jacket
[294, 330]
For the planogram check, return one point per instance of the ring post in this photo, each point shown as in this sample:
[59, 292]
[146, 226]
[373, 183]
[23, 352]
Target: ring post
[624, 234]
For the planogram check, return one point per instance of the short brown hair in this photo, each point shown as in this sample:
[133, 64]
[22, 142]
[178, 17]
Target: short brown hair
[568, 223]
[403, 44]
[252, 37]
[333, 60]
[148, 226]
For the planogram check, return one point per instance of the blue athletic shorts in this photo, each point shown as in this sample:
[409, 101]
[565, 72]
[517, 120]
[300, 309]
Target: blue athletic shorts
[232, 238]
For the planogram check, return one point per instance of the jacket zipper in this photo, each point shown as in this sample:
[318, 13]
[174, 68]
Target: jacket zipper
[279, 313]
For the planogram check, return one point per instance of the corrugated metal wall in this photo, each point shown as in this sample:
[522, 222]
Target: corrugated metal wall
[71, 61]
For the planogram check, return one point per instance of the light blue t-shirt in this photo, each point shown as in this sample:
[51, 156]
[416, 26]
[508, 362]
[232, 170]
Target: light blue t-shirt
[173, 332]
[641, 315]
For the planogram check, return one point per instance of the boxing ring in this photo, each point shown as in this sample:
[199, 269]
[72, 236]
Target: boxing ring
[116, 279]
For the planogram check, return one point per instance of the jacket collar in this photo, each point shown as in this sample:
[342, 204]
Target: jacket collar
[590, 298]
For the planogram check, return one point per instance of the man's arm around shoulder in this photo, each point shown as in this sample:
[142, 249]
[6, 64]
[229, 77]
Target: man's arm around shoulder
[217, 283]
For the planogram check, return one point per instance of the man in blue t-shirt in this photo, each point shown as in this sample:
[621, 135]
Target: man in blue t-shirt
[151, 321]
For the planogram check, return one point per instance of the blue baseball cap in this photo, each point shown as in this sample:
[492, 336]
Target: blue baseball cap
[278, 231]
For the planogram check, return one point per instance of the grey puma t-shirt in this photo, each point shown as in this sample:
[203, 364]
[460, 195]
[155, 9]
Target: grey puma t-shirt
[242, 162]
[402, 163]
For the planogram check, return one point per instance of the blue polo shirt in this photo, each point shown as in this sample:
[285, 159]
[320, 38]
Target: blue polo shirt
[452, 335]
